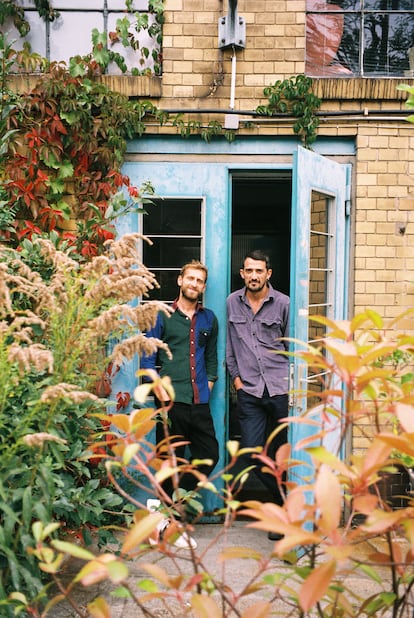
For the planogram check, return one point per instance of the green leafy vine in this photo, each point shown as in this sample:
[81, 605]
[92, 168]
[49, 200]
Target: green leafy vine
[294, 96]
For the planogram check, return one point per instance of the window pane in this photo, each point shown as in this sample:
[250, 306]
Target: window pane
[389, 5]
[332, 5]
[173, 216]
[324, 33]
[168, 290]
[133, 58]
[171, 252]
[349, 49]
[78, 4]
[64, 42]
[36, 36]
[387, 39]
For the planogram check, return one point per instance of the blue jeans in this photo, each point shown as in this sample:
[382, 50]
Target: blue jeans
[258, 417]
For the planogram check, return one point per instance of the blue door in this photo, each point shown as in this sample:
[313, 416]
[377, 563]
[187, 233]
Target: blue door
[319, 250]
[196, 191]
[189, 220]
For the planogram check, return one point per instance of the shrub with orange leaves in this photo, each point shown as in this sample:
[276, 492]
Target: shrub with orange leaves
[335, 524]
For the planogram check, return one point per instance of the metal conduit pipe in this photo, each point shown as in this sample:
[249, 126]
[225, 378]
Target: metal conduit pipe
[366, 113]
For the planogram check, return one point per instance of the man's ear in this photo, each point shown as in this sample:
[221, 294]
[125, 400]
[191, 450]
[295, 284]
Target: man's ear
[269, 274]
[179, 280]
[241, 271]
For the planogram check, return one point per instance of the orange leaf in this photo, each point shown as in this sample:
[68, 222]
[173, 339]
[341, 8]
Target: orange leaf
[328, 499]
[379, 521]
[375, 457]
[140, 531]
[95, 571]
[405, 415]
[316, 584]
[205, 607]
[99, 608]
[157, 573]
[365, 504]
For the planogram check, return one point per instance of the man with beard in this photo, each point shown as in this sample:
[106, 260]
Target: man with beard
[191, 335]
[257, 322]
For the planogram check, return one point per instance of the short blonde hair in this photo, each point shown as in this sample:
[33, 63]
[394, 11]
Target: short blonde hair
[197, 265]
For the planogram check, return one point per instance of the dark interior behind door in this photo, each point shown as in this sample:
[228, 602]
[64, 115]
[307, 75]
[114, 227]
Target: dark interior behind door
[261, 216]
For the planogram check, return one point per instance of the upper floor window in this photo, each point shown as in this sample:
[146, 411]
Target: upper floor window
[354, 38]
[70, 33]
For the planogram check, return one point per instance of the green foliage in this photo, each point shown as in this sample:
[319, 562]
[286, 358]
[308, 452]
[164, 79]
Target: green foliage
[294, 96]
[410, 100]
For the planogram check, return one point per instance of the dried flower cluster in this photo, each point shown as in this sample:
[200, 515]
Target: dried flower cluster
[82, 304]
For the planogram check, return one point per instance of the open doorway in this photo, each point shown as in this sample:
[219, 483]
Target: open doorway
[261, 219]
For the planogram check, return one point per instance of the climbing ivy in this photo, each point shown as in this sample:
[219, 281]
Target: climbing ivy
[10, 9]
[294, 96]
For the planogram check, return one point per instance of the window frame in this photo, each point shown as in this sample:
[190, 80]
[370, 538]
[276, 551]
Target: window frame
[151, 236]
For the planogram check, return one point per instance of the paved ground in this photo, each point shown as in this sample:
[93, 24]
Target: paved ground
[237, 573]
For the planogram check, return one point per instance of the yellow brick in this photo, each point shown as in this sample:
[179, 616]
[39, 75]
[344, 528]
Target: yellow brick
[182, 91]
[375, 167]
[173, 5]
[398, 190]
[406, 203]
[364, 251]
[376, 215]
[207, 18]
[199, 30]
[191, 54]
[375, 287]
[285, 18]
[192, 78]
[184, 41]
[385, 228]
[385, 251]
[262, 67]
[169, 31]
[367, 179]
[365, 275]
[254, 80]
[378, 191]
[379, 142]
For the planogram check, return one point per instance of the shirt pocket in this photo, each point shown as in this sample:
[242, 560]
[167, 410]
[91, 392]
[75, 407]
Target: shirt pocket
[238, 324]
[203, 337]
[269, 330]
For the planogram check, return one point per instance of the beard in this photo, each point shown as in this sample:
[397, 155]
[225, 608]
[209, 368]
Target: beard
[190, 295]
[256, 286]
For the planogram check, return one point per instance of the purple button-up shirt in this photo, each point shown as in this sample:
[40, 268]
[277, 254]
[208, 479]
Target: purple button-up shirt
[252, 340]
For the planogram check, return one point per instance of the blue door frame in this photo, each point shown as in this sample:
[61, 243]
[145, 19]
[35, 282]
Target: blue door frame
[189, 168]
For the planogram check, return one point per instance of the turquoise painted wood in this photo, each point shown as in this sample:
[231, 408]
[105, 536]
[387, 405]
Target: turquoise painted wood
[209, 182]
[312, 172]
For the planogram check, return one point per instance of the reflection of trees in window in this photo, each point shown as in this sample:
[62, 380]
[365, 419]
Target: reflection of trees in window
[376, 37]
[387, 39]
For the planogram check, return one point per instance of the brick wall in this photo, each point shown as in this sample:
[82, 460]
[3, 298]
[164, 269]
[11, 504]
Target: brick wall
[195, 68]
[197, 75]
